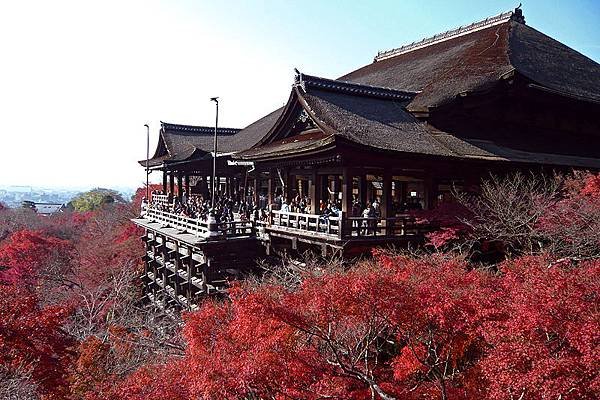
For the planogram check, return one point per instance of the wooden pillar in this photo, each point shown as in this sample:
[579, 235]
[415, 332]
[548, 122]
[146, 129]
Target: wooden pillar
[324, 186]
[189, 267]
[165, 257]
[256, 188]
[336, 187]
[312, 191]
[287, 185]
[386, 200]
[179, 185]
[187, 184]
[430, 192]
[171, 183]
[164, 182]
[270, 188]
[176, 273]
[363, 189]
[347, 191]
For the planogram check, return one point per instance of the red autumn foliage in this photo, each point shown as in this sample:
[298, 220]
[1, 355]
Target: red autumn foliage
[399, 328]
[31, 339]
[547, 343]
[448, 217]
[396, 327]
[25, 254]
[140, 193]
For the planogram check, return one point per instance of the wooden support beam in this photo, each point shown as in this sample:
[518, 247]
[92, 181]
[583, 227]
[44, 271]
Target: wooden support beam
[172, 183]
[176, 264]
[187, 184]
[164, 182]
[287, 185]
[256, 188]
[347, 190]
[312, 191]
[430, 192]
[386, 200]
[270, 190]
[179, 185]
[363, 189]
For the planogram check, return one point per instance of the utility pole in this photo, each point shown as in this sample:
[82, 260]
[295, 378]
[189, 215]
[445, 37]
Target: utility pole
[147, 163]
[214, 174]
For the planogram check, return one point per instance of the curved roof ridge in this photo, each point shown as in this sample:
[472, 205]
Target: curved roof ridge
[198, 129]
[516, 15]
[309, 81]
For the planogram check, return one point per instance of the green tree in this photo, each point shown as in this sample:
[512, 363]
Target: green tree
[95, 199]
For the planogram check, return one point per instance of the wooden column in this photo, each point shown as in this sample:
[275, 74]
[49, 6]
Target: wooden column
[165, 257]
[164, 182]
[256, 188]
[324, 187]
[176, 273]
[179, 185]
[347, 191]
[363, 190]
[270, 188]
[287, 185]
[386, 200]
[189, 267]
[430, 192]
[336, 187]
[187, 184]
[171, 183]
[312, 191]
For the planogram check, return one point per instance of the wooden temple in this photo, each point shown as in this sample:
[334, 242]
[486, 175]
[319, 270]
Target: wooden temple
[389, 138]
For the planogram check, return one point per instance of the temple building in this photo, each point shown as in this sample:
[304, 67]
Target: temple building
[342, 165]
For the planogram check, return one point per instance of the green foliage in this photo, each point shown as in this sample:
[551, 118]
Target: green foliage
[95, 199]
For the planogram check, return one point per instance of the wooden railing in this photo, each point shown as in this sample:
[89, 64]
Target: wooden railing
[331, 227]
[343, 227]
[160, 199]
[308, 223]
[402, 225]
[198, 227]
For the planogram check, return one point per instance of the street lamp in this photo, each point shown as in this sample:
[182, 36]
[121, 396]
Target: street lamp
[214, 174]
[147, 162]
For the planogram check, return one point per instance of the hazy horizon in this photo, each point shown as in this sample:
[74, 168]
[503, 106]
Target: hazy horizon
[80, 79]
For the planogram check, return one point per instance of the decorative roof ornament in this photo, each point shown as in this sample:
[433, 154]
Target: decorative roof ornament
[516, 15]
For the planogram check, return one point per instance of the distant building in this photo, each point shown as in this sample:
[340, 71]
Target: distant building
[43, 208]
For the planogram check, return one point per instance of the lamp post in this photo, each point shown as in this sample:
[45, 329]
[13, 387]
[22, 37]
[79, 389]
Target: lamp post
[214, 172]
[147, 162]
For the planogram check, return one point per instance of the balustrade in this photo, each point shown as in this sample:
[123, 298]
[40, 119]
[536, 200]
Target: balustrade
[333, 227]
[202, 228]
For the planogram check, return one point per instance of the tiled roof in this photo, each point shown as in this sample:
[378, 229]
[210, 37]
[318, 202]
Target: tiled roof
[475, 58]
[383, 124]
[182, 142]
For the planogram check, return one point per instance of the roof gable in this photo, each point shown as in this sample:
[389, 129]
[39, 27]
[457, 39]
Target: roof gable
[476, 58]
[360, 114]
[553, 65]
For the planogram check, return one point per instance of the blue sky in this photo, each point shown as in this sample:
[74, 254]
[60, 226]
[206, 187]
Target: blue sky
[80, 78]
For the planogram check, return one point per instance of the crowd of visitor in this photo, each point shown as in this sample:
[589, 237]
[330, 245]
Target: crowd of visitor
[229, 208]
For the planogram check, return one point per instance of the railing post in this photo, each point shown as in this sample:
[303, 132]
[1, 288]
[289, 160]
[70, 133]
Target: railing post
[213, 227]
[341, 225]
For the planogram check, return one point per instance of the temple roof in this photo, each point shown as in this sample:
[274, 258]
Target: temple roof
[376, 117]
[476, 57]
[178, 142]
[373, 106]
[185, 142]
[361, 114]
